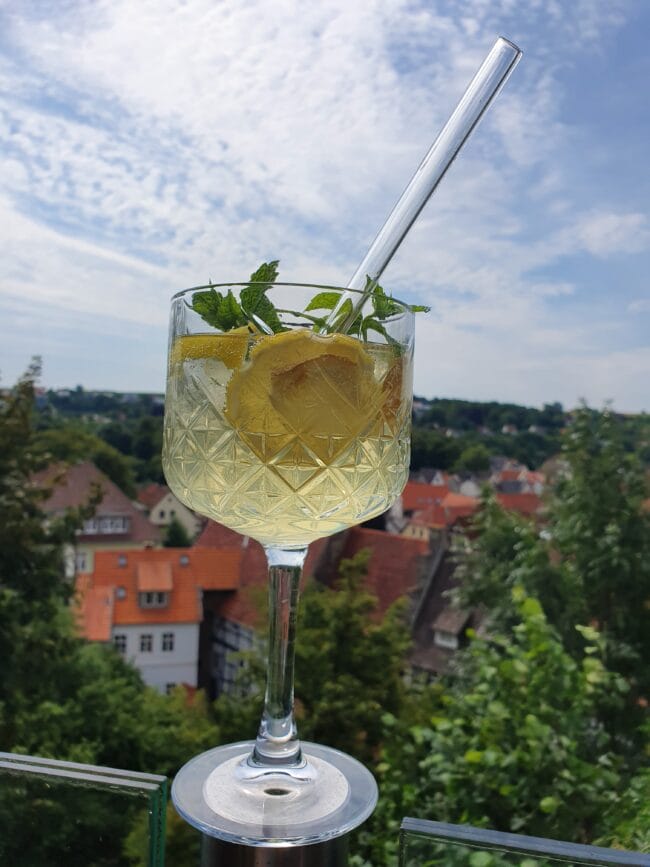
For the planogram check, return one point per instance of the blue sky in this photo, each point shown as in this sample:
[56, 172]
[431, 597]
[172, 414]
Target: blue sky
[150, 146]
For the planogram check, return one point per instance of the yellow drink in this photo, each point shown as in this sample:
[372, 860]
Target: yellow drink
[290, 437]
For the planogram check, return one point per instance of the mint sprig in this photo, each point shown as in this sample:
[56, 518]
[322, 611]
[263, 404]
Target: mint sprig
[255, 304]
[225, 312]
[383, 307]
[257, 311]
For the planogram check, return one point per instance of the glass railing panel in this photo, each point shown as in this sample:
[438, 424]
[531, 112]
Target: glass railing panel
[64, 814]
[437, 844]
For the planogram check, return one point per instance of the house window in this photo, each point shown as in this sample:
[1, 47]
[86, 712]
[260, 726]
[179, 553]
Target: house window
[106, 525]
[113, 524]
[119, 642]
[122, 561]
[121, 592]
[445, 639]
[81, 561]
[184, 560]
[161, 514]
[146, 643]
[153, 599]
[168, 641]
[169, 687]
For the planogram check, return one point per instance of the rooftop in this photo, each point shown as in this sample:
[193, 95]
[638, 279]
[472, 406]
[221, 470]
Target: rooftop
[152, 494]
[420, 495]
[122, 575]
[243, 607]
[72, 487]
[395, 564]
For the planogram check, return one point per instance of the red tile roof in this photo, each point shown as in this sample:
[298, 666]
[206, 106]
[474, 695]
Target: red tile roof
[395, 562]
[94, 611]
[152, 494]
[460, 501]
[525, 504]
[244, 606]
[191, 570]
[154, 577]
[72, 487]
[447, 511]
[215, 535]
[419, 495]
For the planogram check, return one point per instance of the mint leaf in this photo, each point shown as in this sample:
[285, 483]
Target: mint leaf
[370, 324]
[230, 312]
[324, 301]
[220, 311]
[384, 305]
[206, 304]
[254, 302]
[267, 273]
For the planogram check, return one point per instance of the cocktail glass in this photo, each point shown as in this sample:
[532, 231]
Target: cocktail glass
[285, 437]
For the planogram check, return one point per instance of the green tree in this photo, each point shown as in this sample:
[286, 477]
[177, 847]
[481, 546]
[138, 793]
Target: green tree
[627, 823]
[59, 696]
[589, 563]
[117, 435]
[147, 448]
[504, 550]
[176, 536]
[71, 443]
[511, 743]
[474, 459]
[433, 449]
[601, 530]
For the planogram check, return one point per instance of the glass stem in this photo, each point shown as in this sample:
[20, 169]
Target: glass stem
[277, 739]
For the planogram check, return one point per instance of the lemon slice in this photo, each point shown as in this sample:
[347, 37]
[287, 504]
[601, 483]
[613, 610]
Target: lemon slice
[395, 400]
[229, 348]
[314, 394]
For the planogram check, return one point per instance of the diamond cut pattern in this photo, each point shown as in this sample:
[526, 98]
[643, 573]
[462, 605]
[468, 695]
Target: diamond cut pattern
[281, 489]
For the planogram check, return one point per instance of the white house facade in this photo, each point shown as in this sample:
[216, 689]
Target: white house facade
[166, 655]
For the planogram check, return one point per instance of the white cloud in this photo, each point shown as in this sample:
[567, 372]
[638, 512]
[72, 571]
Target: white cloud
[605, 234]
[529, 366]
[152, 145]
[641, 305]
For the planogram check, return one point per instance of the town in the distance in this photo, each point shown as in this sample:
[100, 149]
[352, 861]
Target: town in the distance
[178, 595]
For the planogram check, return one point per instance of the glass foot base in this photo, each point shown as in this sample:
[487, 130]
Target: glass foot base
[219, 793]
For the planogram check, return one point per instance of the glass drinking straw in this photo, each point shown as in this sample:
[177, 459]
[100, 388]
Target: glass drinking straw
[486, 84]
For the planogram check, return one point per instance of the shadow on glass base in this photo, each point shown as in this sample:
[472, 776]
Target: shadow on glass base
[328, 797]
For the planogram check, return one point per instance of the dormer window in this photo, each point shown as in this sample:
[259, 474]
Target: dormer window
[107, 525]
[445, 639]
[449, 628]
[153, 599]
[154, 584]
[184, 560]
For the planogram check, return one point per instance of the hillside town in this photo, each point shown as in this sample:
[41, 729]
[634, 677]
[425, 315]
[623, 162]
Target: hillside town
[182, 615]
[483, 629]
